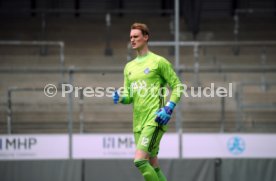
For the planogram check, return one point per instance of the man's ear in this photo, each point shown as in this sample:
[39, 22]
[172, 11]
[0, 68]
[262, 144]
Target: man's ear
[146, 37]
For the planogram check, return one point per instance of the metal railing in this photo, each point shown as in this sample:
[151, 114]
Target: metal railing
[28, 89]
[242, 106]
[60, 44]
[197, 45]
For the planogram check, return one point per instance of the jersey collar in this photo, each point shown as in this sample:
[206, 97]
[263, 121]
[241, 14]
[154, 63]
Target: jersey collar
[143, 57]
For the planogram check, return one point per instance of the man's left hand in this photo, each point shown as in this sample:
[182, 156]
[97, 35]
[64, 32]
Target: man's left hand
[164, 114]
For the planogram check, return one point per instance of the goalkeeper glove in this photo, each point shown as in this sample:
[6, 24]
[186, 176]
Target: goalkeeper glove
[116, 97]
[164, 114]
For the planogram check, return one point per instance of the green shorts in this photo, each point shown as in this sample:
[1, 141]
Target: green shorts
[149, 139]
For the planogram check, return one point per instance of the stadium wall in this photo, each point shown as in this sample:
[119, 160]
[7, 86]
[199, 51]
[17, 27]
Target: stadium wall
[124, 170]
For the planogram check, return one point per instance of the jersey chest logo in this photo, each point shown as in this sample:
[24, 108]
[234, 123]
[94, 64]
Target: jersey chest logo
[147, 71]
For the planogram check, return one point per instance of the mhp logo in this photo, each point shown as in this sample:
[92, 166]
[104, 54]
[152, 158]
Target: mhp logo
[17, 143]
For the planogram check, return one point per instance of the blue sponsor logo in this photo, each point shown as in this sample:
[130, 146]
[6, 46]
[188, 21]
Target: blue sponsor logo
[236, 145]
[147, 71]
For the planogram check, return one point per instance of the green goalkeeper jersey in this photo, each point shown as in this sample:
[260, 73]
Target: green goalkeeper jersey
[145, 84]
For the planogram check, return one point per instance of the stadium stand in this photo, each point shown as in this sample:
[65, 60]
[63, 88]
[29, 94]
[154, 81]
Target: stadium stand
[82, 26]
[84, 38]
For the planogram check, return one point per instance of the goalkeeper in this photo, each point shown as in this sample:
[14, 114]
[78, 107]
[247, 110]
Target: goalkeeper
[145, 80]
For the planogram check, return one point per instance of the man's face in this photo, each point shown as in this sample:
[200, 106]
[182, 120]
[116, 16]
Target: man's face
[137, 39]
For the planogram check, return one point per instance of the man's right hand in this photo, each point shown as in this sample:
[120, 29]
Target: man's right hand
[115, 97]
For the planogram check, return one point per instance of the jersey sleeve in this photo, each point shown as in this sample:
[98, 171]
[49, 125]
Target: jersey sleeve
[168, 74]
[126, 97]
